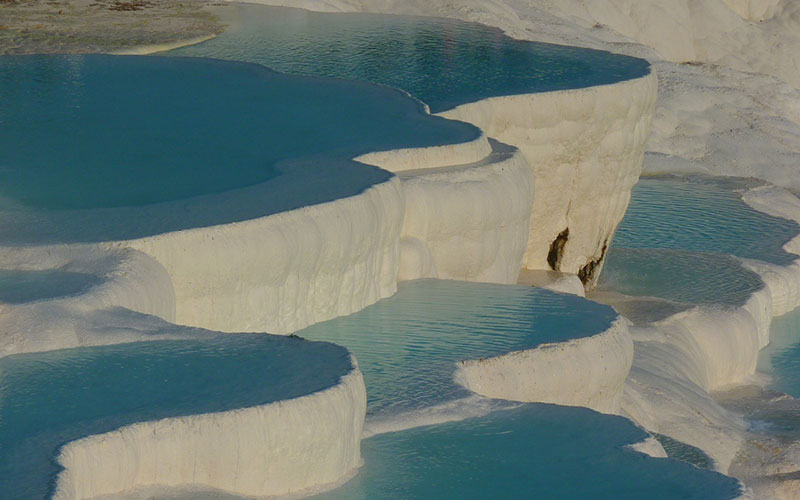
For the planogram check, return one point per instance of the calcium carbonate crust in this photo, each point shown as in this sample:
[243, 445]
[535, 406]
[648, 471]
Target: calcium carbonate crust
[585, 148]
[580, 149]
[282, 272]
[263, 451]
[467, 222]
[125, 280]
[588, 372]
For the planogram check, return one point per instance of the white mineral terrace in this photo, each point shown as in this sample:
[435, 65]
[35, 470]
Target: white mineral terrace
[267, 450]
[587, 372]
[464, 212]
[481, 211]
[735, 110]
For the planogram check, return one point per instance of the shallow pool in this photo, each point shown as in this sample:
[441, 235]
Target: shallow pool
[702, 215]
[443, 62]
[408, 345]
[679, 276]
[98, 132]
[48, 399]
[533, 451]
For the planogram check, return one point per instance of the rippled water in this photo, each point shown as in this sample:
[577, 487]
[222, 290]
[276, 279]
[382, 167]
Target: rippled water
[48, 399]
[534, 451]
[17, 287]
[100, 131]
[443, 62]
[702, 215]
[408, 345]
[680, 276]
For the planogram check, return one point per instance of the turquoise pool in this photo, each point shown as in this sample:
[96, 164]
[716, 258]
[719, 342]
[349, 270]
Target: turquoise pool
[533, 451]
[700, 214]
[443, 62]
[99, 132]
[680, 276]
[408, 345]
[681, 237]
[48, 399]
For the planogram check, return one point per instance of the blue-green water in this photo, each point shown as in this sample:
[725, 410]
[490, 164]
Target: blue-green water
[408, 345]
[17, 287]
[48, 399]
[534, 451]
[679, 276]
[94, 131]
[702, 215]
[681, 237]
[442, 62]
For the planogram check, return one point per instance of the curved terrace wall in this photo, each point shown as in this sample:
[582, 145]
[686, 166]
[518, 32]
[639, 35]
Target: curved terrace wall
[587, 372]
[585, 148]
[274, 449]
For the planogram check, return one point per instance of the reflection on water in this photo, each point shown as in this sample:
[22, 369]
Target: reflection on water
[442, 62]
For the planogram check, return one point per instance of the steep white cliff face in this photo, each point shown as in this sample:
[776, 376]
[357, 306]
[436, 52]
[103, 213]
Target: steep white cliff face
[585, 147]
[587, 372]
[268, 450]
[467, 222]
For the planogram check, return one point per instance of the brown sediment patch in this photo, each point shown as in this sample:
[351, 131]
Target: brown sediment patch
[588, 272]
[93, 26]
[557, 250]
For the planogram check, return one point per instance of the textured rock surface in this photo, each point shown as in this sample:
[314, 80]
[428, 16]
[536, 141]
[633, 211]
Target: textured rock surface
[587, 372]
[274, 449]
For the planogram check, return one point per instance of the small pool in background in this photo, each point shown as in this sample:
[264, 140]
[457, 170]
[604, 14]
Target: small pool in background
[48, 399]
[94, 132]
[408, 345]
[681, 237]
[678, 276]
[533, 451]
[17, 287]
[702, 215]
[443, 62]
